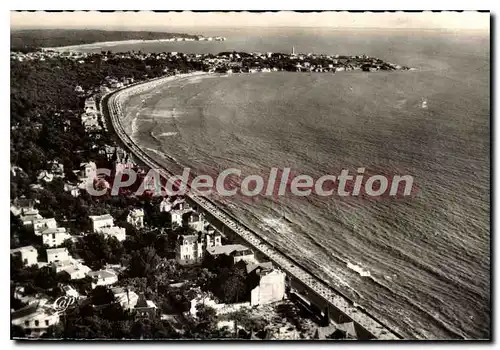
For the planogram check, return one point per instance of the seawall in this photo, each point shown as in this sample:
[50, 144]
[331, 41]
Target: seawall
[325, 298]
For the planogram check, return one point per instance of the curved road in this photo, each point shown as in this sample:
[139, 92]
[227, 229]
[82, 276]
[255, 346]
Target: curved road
[113, 104]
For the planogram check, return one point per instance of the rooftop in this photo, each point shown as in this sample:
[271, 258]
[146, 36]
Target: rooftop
[100, 217]
[188, 238]
[28, 248]
[49, 231]
[226, 249]
[101, 274]
[265, 265]
[57, 251]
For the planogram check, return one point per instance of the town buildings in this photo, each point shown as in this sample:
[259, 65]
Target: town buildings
[125, 297]
[35, 318]
[190, 248]
[57, 254]
[28, 254]
[238, 252]
[103, 278]
[40, 225]
[101, 221]
[54, 237]
[136, 218]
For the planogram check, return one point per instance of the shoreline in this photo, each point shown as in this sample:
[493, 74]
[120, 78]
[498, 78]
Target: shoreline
[317, 287]
[104, 44]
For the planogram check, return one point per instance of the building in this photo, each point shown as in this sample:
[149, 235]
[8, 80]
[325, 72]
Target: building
[70, 291]
[35, 318]
[77, 271]
[101, 221]
[90, 120]
[54, 237]
[23, 206]
[90, 104]
[196, 221]
[56, 168]
[136, 218]
[189, 249]
[41, 225]
[145, 308]
[88, 171]
[271, 283]
[237, 251]
[102, 278]
[57, 254]
[212, 239]
[166, 205]
[61, 265]
[45, 175]
[29, 216]
[177, 214]
[114, 231]
[127, 298]
[28, 254]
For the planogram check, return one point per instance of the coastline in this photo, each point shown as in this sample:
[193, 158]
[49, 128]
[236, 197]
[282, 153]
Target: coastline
[317, 288]
[133, 118]
[104, 44]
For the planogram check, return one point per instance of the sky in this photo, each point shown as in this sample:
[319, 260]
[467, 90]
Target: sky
[146, 20]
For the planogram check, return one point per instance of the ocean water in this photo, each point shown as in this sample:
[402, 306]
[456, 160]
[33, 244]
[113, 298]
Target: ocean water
[422, 264]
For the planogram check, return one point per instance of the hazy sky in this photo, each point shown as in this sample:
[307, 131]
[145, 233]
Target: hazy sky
[164, 21]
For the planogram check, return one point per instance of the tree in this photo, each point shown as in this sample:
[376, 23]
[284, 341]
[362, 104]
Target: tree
[230, 285]
[144, 263]
[101, 295]
[206, 320]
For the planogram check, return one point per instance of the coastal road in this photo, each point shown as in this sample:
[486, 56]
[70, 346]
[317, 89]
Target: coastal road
[113, 105]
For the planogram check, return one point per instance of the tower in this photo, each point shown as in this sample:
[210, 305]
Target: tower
[293, 50]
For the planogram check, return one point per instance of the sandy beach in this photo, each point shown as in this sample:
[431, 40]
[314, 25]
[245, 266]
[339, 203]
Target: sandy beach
[104, 44]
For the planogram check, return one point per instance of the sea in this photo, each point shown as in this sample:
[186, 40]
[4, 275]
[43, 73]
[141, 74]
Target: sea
[419, 263]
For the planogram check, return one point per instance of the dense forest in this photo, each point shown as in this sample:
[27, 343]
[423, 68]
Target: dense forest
[22, 40]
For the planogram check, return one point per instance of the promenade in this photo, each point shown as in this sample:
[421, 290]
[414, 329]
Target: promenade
[113, 104]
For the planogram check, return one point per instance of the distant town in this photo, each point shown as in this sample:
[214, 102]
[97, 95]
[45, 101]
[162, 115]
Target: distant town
[147, 267]
[231, 62]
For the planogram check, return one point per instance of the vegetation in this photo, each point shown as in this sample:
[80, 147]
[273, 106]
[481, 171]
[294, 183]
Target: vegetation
[27, 40]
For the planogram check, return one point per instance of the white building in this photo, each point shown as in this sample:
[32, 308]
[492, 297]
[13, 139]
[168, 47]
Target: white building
[54, 237]
[70, 291]
[115, 231]
[136, 218]
[29, 254]
[271, 287]
[77, 271]
[90, 103]
[189, 249]
[41, 225]
[23, 206]
[237, 251]
[30, 216]
[88, 171]
[178, 213]
[57, 254]
[213, 239]
[196, 221]
[101, 221]
[126, 298]
[35, 318]
[103, 278]
[165, 205]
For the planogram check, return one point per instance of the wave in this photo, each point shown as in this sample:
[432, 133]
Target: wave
[358, 269]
